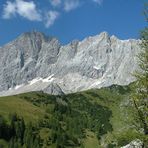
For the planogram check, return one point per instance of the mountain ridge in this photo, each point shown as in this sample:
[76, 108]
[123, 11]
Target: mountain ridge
[94, 62]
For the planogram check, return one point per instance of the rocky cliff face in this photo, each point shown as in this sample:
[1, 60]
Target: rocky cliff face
[35, 62]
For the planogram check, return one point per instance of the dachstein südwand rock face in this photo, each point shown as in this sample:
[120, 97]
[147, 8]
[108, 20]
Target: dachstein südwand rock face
[34, 62]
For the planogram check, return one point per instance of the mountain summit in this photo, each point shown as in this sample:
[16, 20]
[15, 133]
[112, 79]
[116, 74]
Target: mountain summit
[35, 62]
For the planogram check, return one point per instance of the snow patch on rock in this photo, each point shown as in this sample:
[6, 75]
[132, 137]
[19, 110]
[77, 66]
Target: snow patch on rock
[46, 80]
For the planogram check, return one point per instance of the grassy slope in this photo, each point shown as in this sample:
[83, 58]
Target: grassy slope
[91, 140]
[3, 143]
[15, 104]
[115, 98]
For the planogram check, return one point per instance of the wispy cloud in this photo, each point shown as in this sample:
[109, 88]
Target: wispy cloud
[98, 1]
[55, 3]
[25, 9]
[50, 18]
[71, 4]
[9, 10]
[28, 10]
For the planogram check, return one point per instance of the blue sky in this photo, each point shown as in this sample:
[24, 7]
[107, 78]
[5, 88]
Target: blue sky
[71, 19]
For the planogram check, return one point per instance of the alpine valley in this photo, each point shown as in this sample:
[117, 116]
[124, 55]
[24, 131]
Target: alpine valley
[68, 96]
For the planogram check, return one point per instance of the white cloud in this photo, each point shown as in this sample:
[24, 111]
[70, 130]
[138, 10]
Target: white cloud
[98, 1]
[28, 10]
[50, 18]
[9, 10]
[55, 3]
[25, 9]
[71, 4]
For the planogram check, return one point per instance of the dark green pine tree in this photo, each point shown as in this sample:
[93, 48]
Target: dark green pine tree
[2, 126]
[13, 119]
[36, 143]
[28, 140]
[22, 129]
[11, 143]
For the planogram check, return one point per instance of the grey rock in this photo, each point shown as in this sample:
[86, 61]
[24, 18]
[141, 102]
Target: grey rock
[134, 144]
[94, 62]
[53, 89]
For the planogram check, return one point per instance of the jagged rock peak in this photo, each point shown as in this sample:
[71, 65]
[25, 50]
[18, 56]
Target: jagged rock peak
[104, 34]
[94, 62]
[34, 35]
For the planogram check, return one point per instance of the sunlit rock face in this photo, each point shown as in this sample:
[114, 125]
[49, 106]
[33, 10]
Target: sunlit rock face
[34, 62]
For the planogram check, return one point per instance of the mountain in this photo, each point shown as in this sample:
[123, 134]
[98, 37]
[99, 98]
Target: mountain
[35, 62]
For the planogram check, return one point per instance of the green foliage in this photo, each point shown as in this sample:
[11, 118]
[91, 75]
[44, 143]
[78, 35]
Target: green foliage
[126, 137]
[3, 144]
[73, 120]
[140, 96]
[17, 134]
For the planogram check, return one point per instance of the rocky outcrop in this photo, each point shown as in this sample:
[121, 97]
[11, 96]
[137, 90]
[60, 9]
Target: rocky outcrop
[53, 89]
[134, 144]
[91, 63]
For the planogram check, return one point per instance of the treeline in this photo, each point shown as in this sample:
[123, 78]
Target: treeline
[71, 117]
[17, 134]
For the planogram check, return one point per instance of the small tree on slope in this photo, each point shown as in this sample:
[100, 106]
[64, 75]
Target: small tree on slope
[140, 97]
